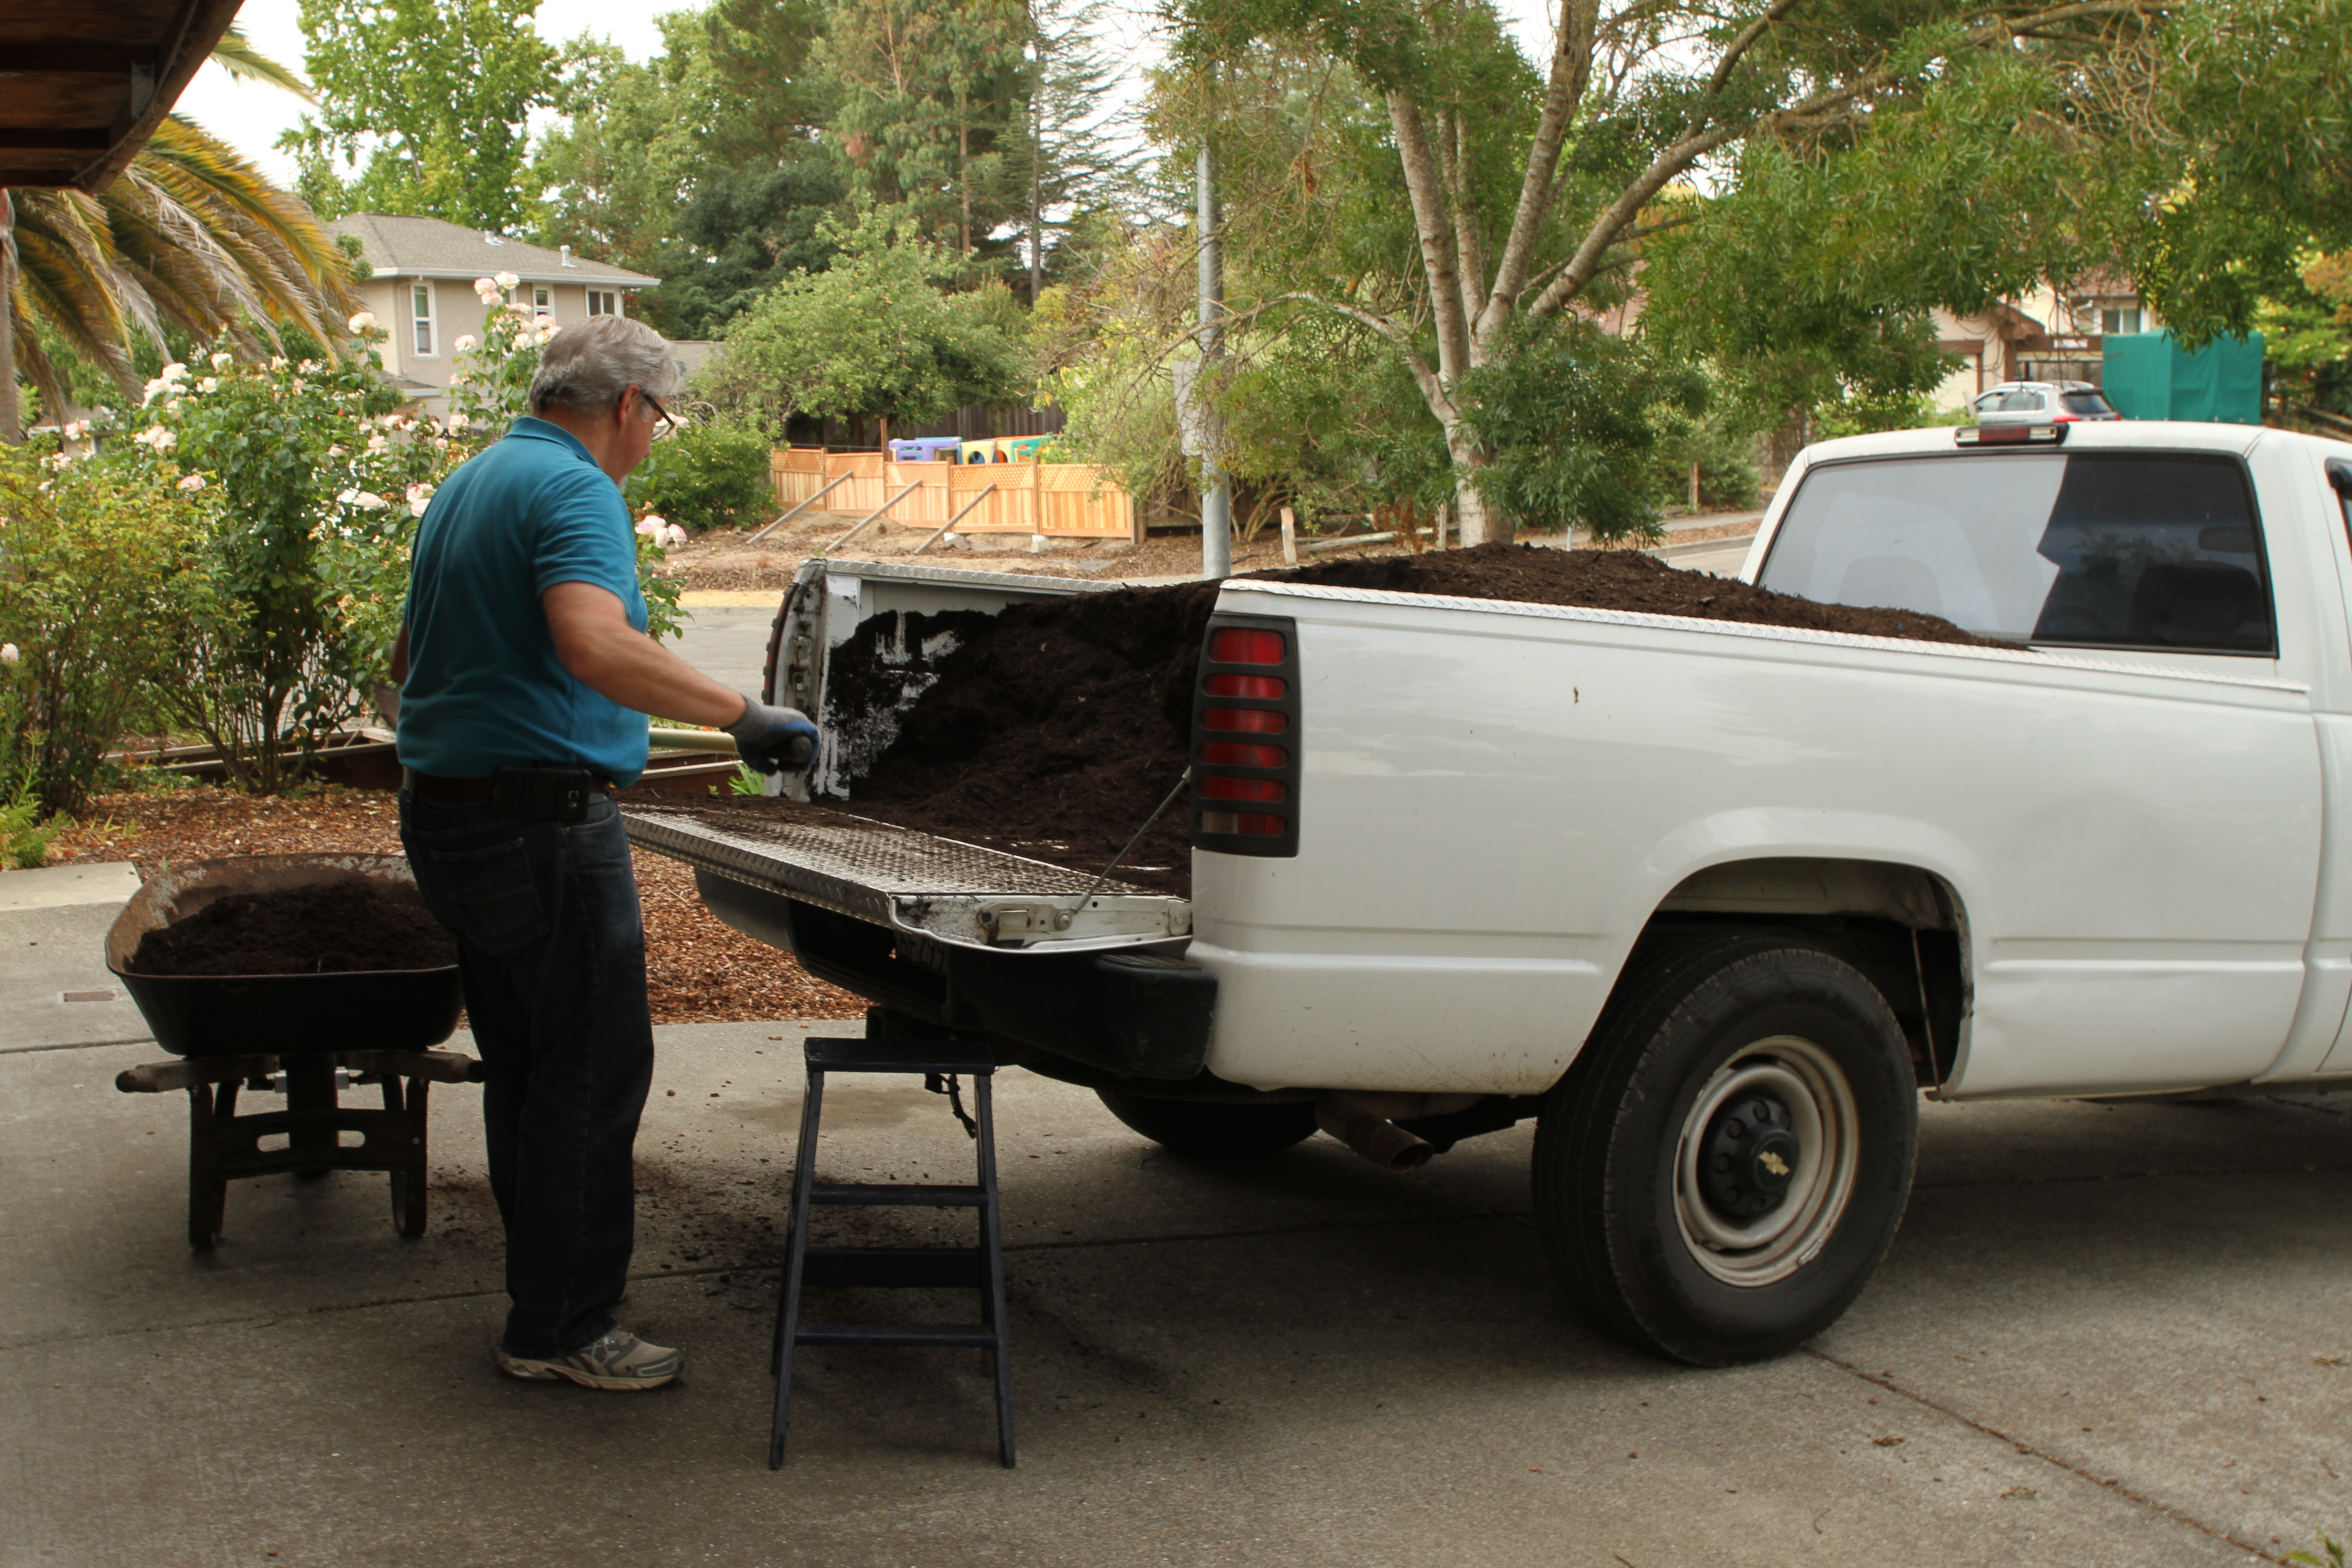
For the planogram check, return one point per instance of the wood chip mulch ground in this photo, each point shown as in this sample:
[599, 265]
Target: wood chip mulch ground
[698, 970]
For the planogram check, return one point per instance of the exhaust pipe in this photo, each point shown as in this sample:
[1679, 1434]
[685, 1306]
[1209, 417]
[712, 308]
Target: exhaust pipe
[1377, 1138]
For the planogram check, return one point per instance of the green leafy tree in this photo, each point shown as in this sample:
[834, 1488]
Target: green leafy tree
[425, 106]
[929, 94]
[704, 166]
[1862, 165]
[712, 473]
[876, 334]
[1075, 151]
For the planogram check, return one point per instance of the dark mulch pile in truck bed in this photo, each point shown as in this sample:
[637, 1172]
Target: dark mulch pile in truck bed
[327, 928]
[1056, 728]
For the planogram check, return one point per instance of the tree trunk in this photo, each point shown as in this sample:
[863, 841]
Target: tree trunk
[1480, 524]
[12, 423]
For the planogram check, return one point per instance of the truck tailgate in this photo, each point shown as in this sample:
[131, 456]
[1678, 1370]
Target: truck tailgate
[963, 895]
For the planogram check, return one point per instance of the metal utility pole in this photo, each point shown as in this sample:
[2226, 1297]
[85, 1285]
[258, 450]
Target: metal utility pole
[1216, 500]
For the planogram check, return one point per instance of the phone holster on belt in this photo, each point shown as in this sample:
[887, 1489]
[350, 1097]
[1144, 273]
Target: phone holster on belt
[545, 794]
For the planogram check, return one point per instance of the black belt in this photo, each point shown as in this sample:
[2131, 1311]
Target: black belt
[542, 791]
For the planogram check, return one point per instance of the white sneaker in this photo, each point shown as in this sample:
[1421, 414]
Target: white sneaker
[618, 1360]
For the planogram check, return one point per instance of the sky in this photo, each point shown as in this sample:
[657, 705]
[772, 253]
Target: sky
[249, 116]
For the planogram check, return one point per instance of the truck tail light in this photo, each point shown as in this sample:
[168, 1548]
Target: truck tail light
[2048, 432]
[1245, 791]
[1247, 645]
[1246, 720]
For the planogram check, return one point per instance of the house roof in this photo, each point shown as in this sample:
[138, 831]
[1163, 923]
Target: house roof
[428, 247]
[88, 84]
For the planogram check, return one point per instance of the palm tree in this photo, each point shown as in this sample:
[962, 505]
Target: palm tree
[191, 236]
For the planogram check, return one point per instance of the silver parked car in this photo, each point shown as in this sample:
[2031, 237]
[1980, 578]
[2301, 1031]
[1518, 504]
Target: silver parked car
[2041, 402]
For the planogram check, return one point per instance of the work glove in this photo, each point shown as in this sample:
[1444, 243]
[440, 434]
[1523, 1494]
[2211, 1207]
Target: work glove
[773, 739]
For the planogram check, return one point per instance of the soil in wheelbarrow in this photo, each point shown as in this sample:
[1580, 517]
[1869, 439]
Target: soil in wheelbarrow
[1057, 727]
[325, 927]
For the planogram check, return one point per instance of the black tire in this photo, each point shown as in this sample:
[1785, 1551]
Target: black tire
[1650, 1240]
[1209, 1131]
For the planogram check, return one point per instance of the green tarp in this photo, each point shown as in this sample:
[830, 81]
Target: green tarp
[2148, 375]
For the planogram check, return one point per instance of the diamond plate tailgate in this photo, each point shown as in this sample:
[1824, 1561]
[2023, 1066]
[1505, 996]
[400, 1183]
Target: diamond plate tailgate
[962, 894]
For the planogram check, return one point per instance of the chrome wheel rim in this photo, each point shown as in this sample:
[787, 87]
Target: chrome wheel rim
[1770, 1093]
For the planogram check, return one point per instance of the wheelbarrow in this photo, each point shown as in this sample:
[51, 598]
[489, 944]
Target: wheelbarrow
[306, 1037]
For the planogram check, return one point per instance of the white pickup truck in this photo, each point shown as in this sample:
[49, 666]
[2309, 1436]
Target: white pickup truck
[1712, 902]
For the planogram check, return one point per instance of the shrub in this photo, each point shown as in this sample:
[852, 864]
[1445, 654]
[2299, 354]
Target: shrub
[706, 476]
[99, 577]
[318, 485]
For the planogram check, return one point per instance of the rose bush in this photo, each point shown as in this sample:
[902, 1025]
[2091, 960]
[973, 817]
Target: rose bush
[101, 569]
[230, 561]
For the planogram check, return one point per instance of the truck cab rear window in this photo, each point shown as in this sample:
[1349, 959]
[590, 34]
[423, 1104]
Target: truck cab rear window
[2122, 551]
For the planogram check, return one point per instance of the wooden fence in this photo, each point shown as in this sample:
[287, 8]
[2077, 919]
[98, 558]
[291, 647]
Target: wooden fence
[1062, 500]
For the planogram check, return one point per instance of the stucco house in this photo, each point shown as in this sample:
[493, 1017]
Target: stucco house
[2039, 336]
[422, 290]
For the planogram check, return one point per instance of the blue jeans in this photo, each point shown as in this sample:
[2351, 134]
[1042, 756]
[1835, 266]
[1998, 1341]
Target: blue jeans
[551, 949]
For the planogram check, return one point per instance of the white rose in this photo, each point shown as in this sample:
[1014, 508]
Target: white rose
[334, 451]
[223, 361]
[466, 344]
[486, 286]
[278, 362]
[347, 497]
[174, 371]
[8, 654]
[377, 443]
[155, 390]
[362, 321]
[676, 534]
[310, 367]
[458, 422]
[193, 482]
[209, 384]
[508, 280]
[368, 500]
[416, 506]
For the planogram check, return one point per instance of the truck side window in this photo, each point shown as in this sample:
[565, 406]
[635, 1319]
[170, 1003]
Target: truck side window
[2095, 550]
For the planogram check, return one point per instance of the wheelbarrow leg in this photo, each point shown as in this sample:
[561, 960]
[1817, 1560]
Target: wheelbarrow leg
[207, 1188]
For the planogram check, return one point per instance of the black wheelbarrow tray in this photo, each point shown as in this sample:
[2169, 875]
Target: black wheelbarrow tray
[278, 1014]
[301, 1035]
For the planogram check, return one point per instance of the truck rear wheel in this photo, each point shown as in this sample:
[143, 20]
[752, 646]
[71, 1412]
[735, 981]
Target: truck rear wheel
[1727, 1161]
[1211, 1131]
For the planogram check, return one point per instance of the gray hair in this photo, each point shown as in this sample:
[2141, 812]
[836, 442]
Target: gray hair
[590, 363]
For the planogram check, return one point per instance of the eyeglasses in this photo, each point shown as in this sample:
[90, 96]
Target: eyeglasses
[668, 423]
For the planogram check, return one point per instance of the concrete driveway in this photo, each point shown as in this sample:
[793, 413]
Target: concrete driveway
[2106, 1334]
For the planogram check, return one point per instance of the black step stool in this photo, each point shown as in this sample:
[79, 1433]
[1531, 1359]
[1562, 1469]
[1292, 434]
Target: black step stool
[979, 1268]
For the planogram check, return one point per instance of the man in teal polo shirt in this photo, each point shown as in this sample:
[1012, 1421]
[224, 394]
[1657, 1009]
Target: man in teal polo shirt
[526, 676]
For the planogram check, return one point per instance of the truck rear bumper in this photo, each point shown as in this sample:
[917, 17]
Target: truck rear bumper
[1136, 1012]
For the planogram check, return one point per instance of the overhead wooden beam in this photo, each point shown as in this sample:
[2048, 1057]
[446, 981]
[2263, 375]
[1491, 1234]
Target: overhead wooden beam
[62, 59]
[56, 138]
[186, 44]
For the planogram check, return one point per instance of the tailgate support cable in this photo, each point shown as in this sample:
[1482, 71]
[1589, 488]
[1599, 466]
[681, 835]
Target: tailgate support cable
[1062, 920]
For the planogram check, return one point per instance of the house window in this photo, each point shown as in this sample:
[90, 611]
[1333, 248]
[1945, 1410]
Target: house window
[603, 302]
[542, 302]
[2118, 321]
[420, 311]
